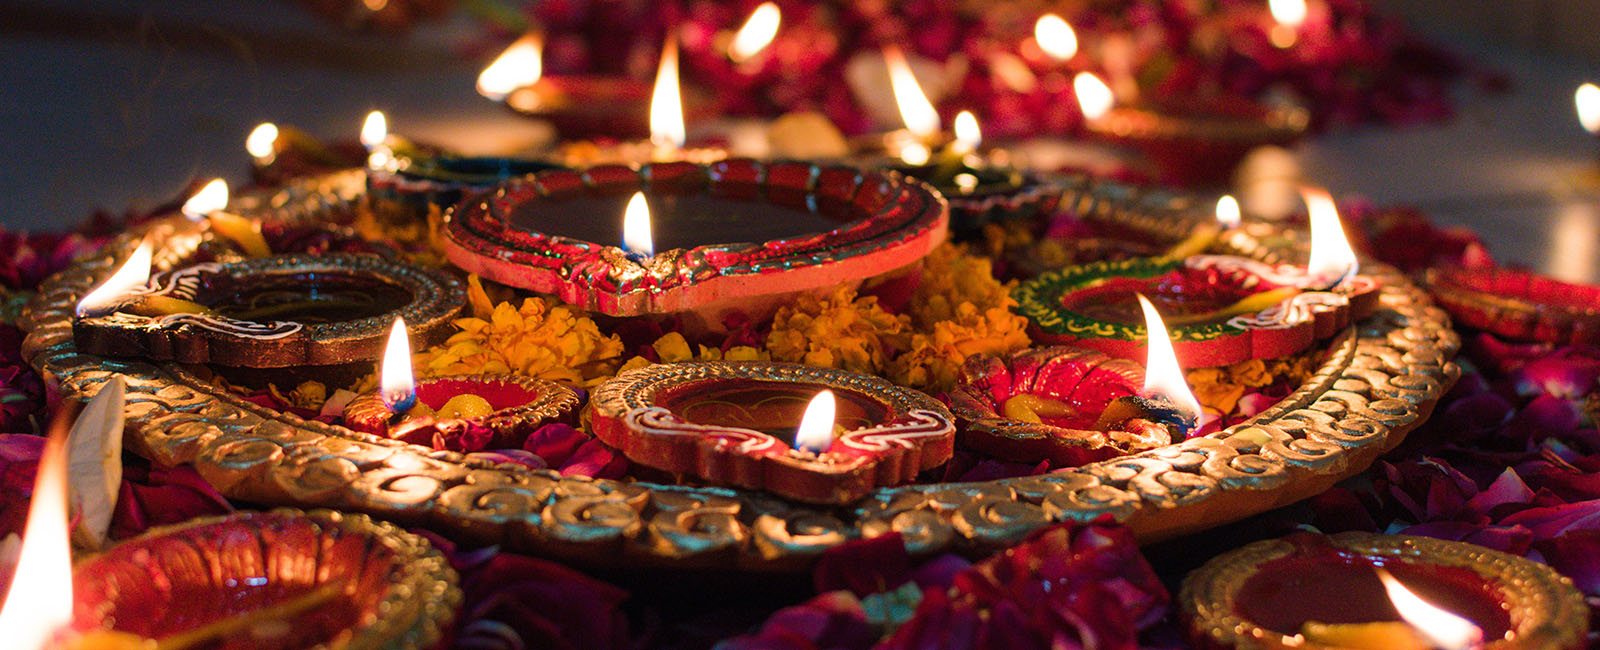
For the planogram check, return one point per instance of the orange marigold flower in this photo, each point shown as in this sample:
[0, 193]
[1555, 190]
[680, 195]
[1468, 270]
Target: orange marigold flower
[839, 331]
[536, 340]
[935, 357]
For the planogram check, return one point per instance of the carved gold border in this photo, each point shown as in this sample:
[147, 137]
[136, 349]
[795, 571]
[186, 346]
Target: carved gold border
[1382, 378]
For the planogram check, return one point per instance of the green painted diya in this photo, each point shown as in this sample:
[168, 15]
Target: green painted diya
[1218, 309]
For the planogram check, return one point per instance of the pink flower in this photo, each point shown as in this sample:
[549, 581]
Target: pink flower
[514, 601]
[161, 496]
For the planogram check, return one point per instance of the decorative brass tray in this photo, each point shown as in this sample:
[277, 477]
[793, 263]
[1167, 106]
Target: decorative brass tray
[1380, 379]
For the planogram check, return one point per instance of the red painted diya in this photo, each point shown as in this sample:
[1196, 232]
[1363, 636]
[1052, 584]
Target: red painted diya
[1055, 404]
[1220, 309]
[426, 181]
[980, 194]
[1201, 142]
[1311, 591]
[520, 405]
[268, 580]
[734, 236]
[734, 424]
[1518, 304]
[275, 312]
[588, 107]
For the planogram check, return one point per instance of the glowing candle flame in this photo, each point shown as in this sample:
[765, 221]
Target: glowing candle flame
[1055, 37]
[1442, 629]
[1588, 100]
[262, 143]
[134, 274]
[1162, 376]
[666, 103]
[38, 605]
[915, 109]
[816, 426]
[211, 198]
[757, 32]
[396, 386]
[1094, 96]
[1228, 213]
[636, 226]
[967, 134]
[1289, 13]
[374, 130]
[520, 65]
[1331, 255]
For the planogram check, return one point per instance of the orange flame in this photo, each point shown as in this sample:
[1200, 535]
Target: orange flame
[1289, 13]
[133, 274]
[666, 102]
[816, 426]
[1588, 101]
[1055, 37]
[636, 236]
[1228, 213]
[1331, 255]
[1442, 629]
[968, 136]
[757, 32]
[211, 198]
[915, 110]
[396, 384]
[374, 130]
[1094, 96]
[1162, 376]
[519, 65]
[262, 143]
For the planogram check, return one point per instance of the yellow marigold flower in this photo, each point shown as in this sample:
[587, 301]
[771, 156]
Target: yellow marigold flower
[745, 353]
[634, 363]
[1215, 388]
[308, 395]
[951, 278]
[935, 358]
[672, 348]
[534, 339]
[1252, 373]
[839, 331]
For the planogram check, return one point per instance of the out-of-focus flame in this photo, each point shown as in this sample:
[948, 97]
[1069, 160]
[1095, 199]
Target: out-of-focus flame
[915, 110]
[1442, 629]
[262, 143]
[520, 65]
[1588, 100]
[1055, 37]
[967, 134]
[211, 198]
[396, 386]
[1228, 211]
[38, 605]
[374, 130]
[1289, 13]
[1094, 96]
[816, 426]
[667, 130]
[134, 274]
[756, 33]
[636, 235]
[1162, 376]
[1331, 256]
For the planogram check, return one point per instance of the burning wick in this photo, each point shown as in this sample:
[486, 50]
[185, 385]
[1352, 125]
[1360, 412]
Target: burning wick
[667, 131]
[396, 386]
[816, 426]
[1163, 378]
[1442, 629]
[111, 294]
[519, 66]
[1094, 96]
[756, 33]
[1055, 37]
[1332, 260]
[636, 238]
[208, 205]
[262, 143]
[375, 137]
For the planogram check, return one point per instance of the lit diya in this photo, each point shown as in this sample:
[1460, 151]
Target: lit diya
[510, 407]
[817, 435]
[1388, 592]
[1199, 141]
[267, 312]
[731, 236]
[1073, 406]
[1518, 304]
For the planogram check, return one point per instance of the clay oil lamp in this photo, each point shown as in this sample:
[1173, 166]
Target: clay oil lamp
[510, 407]
[268, 312]
[1074, 406]
[817, 435]
[1358, 591]
[1222, 309]
[1198, 142]
[266, 580]
[732, 236]
[1518, 304]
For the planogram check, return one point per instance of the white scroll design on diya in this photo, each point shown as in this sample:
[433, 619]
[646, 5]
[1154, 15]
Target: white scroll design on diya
[922, 424]
[658, 421]
[1299, 309]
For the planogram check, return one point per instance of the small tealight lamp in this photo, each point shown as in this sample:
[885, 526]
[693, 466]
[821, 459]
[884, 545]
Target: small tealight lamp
[209, 205]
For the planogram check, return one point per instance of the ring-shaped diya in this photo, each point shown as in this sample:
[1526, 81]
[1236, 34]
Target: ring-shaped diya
[1262, 596]
[982, 194]
[1518, 304]
[735, 235]
[424, 183]
[278, 579]
[1053, 404]
[733, 424]
[520, 405]
[1201, 142]
[276, 312]
[1219, 309]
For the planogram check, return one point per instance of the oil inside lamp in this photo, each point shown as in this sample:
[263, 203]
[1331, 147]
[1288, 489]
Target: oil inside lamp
[667, 131]
[1441, 628]
[1094, 96]
[38, 605]
[1332, 260]
[757, 32]
[133, 274]
[396, 385]
[375, 137]
[918, 114]
[209, 205]
[636, 236]
[1055, 37]
[262, 143]
[1163, 379]
[519, 65]
[1588, 101]
[1287, 15]
[816, 426]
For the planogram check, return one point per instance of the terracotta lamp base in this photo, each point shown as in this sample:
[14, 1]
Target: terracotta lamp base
[1518, 305]
[1201, 143]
